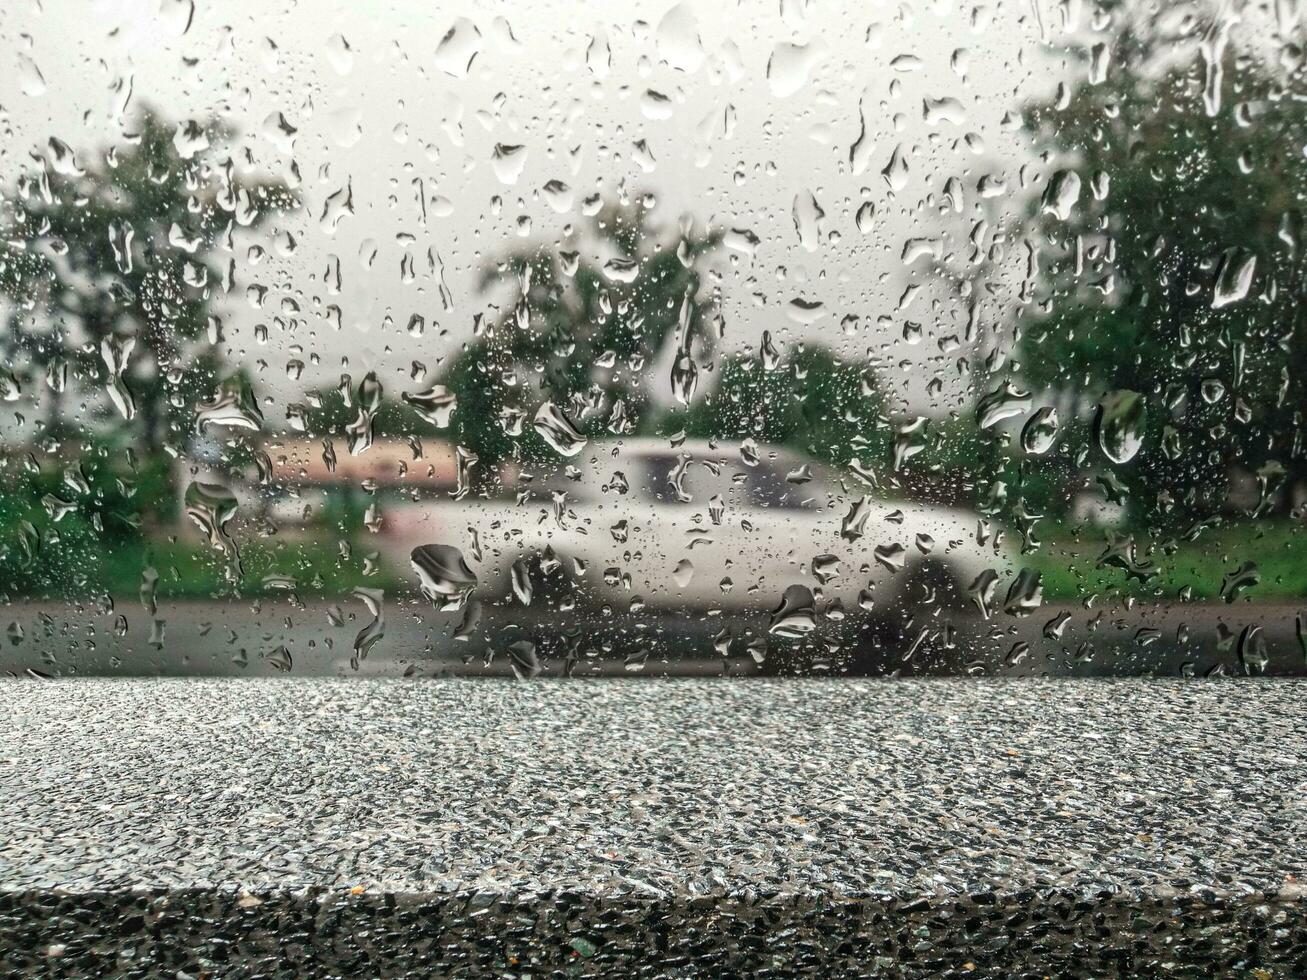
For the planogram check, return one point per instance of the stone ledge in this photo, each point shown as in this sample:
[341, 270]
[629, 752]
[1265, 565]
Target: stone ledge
[226, 933]
[676, 827]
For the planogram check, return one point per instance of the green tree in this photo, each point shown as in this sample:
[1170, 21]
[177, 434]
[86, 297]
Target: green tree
[579, 332]
[330, 413]
[810, 400]
[1172, 262]
[119, 256]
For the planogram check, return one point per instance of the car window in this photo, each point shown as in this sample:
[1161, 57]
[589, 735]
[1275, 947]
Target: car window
[769, 485]
[682, 479]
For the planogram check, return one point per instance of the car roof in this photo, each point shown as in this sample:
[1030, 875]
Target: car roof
[660, 446]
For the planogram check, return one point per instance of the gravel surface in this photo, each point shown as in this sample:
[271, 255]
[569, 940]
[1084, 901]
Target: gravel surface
[908, 795]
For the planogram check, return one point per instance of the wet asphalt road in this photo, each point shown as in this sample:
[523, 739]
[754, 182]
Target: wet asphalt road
[317, 637]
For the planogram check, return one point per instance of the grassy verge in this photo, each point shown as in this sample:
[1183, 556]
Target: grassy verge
[80, 567]
[188, 569]
[1069, 563]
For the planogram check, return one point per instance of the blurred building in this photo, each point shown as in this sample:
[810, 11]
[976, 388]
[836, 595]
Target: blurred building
[297, 483]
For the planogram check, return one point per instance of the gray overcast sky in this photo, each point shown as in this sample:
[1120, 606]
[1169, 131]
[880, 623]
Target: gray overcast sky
[728, 111]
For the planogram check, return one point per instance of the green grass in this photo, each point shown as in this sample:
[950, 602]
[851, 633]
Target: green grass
[1069, 563]
[189, 569]
[82, 564]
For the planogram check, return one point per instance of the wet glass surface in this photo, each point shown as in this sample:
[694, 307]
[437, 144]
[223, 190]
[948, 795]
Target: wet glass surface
[641, 338]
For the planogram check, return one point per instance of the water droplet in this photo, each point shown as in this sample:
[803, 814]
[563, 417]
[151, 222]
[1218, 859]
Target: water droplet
[558, 195]
[458, 48]
[892, 556]
[1100, 60]
[741, 240]
[1040, 431]
[896, 171]
[56, 375]
[1025, 594]
[805, 311]
[1252, 650]
[622, 269]
[684, 377]
[508, 162]
[232, 405]
[826, 568]
[796, 616]
[1061, 194]
[121, 234]
[10, 387]
[1239, 580]
[678, 39]
[62, 159]
[599, 56]
[683, 573]
[1212, 50]
[1234, 277]
[436, 405]
[30, 78]
[909, 440]
[557, 429]
[943, 110]
[212, 506]
[808, 217]
[372, 631]
[982, 590]
[467, 626]
[464, 461]
[520, 577]
[368, 399]
[444, 576]
[1002, 403]
[855, 521]
[1119, 424]
[866, 217]
[524, 660]
[190, 139]
[116, 352]
[340, 54]
[790, 66]
[279, 659]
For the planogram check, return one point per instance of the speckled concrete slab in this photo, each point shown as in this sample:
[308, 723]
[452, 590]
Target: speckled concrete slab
[659, 828]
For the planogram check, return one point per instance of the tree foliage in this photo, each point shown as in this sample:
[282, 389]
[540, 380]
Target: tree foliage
[1177, 270]
[114, 261]
[811, 401]
[580, 330]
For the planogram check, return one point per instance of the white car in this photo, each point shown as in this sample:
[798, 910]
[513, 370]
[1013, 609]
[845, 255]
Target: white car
[703, 528]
